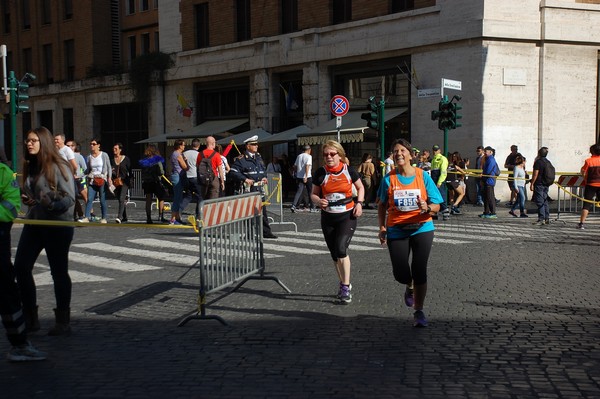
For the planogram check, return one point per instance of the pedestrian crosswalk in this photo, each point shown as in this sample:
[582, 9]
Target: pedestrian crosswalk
[97, 262]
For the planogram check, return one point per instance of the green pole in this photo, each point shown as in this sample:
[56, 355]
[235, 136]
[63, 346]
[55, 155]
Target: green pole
[12, 86]
[382, 127]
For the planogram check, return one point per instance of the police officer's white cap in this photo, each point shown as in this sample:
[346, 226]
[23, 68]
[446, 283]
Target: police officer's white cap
[251, 140]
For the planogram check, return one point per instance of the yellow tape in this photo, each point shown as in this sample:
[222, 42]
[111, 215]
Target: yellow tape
[58, 223]
[596, 203]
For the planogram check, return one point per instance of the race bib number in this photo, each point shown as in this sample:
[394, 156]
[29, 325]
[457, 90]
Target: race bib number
[334, 197]
[406, 200]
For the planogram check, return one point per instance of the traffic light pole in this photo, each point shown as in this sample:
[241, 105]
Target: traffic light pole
[12, 86]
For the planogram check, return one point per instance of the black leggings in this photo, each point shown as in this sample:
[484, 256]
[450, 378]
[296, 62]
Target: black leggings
[400, 249]
[338, 229]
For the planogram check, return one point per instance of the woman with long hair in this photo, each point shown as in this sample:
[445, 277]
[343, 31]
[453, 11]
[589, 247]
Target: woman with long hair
[407, 198]
[178, 176]
[152, 173]
[457, 181]
[121, 177]
[332, 193]
[48, 189]
[99, 173]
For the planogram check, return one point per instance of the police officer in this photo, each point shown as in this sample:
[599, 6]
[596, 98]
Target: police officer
[249, 169]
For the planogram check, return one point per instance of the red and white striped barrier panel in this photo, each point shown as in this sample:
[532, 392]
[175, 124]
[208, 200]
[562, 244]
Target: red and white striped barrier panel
[570, 181]
[222, 212]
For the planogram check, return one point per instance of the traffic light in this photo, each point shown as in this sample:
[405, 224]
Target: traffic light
[372, 117]
[447, 113]
[21, 97]
[455, 108]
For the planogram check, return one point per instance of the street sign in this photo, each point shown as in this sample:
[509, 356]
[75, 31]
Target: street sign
[339, 105]
[451, 84]
[424, 93]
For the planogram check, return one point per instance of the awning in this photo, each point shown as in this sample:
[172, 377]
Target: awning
[239, 138]
[286, 135]
[209, 128]
[217, 128]
[161, 138]
[352, 130]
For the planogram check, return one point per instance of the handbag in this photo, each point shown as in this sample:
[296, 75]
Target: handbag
[117, 181]
[98, 181]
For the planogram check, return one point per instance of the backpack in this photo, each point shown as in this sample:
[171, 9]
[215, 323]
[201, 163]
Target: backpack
[204, 170]
[548, 174]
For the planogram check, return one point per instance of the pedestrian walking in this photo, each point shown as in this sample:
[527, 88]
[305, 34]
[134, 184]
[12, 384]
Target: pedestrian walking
[48, 189]
[212, 181]
[80, 180]
[332, 193]
[304, 180]
[178, 168]
[518, 187]
[488, 181]
[407, 199]
[121, 180]
[541, 180]
[11, 309]
[591, 175]
[153, 172]
[192, 188]
[366, 170]
[98, 173]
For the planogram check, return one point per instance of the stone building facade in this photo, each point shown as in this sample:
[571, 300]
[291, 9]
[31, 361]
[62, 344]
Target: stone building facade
[529, 71]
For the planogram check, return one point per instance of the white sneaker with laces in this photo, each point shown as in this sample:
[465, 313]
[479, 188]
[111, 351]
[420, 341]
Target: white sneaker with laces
[103, 221]
[84, 220]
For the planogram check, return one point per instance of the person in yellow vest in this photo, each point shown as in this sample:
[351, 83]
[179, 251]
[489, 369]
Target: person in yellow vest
[10, 300]
[408, 197]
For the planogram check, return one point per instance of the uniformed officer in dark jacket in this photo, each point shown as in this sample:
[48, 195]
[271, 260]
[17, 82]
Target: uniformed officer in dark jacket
[249, 169]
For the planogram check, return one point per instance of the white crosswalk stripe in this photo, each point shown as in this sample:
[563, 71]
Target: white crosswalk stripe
[148, 254]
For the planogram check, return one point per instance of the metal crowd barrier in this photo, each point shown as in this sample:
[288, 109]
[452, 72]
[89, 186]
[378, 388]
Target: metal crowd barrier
[275, 199]
[135, 189]
[231, 247]
[570, 195]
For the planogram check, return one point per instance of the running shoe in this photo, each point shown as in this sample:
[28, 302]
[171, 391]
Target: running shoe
[511, 212]
[103, 221]
[483, 215]
[345, 294]
[580, 226]
[118, 221]
[25, 353]
[175, 223]
[492, 216]
[293, 209]
[409, 298]
[84, 220]
[538, 223]
[419, 319]
[524, 215]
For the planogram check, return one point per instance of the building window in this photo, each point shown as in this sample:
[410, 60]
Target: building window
[68, 129]
[130, 7]
[201, 14]
[132, 49]
[342, 11]
[27, 60]
[289, 16]
[70, 60]
[243, 20]
[68, 9]
[402, 5]
[48, 64]
[26, 14]
[145, 43]
[144, 5]
[220, 102]
[46, 7]
[156, 42]
[5, 16]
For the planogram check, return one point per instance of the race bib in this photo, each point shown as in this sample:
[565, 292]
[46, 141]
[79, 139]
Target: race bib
[406, 200]
[334, 197]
